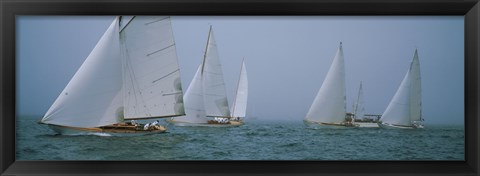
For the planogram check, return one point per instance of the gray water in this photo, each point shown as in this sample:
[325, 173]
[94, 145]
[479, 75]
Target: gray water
[256, 140]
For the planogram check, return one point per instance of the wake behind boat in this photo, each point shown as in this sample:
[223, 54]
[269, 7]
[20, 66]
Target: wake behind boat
[128, 76]
[405, 108]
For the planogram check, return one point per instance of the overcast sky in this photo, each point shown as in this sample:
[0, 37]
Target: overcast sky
[287, 58]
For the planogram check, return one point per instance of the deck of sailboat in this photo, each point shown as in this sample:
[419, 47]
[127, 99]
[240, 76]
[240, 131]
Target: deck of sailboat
[230, 124]
[367, 124]
[110, 130]
[392, 126]
[336, 125]
[325, 125]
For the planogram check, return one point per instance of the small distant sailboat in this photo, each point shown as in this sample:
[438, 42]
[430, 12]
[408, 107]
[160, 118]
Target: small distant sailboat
[239, 107]
[405, 109]
[359, 108]
[206, 96]
[329, 106]
[360, 119]
[132, 73]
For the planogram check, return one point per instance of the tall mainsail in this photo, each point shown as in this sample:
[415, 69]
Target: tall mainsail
[406, 105]
[216, 103]
[359, 108]
[94, 95]
[151, 72]
[329, 105]
[239, 107]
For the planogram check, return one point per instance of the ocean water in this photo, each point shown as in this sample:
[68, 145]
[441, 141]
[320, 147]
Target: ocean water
[256, 140]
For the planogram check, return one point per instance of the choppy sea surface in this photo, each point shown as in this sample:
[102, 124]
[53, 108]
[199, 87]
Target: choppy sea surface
[256, 140]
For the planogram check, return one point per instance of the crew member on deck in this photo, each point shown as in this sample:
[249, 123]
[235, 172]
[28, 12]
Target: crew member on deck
[155, 123]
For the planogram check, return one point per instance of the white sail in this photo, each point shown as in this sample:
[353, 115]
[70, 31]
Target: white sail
[329, 105]
[216, 103]
[359, 108]
[151, 72]
[194, 101]
[239, 107]
[405, 107]
[93, 97]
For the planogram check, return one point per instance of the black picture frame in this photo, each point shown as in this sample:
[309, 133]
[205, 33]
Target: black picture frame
[9, 9]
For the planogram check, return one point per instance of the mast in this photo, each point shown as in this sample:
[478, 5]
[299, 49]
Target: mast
[206, 49]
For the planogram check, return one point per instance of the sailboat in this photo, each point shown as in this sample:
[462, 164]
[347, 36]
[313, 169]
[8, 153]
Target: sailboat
[360, 119]
[405, 109]
[206, 96]
[329, 106]
[239, 107]
[132, 73]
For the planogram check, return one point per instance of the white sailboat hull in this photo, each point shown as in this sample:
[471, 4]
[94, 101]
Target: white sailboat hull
[97, 131]
[366, 125]
[230, 124]
[391, 126]
[314, 124]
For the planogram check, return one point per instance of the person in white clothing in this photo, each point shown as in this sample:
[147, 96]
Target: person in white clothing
[146, 126]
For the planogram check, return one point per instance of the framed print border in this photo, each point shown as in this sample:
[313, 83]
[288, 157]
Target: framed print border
[9, 9]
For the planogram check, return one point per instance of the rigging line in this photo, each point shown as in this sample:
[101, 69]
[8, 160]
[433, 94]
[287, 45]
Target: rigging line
[128, 23]
[128, 74]
[133, 79]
